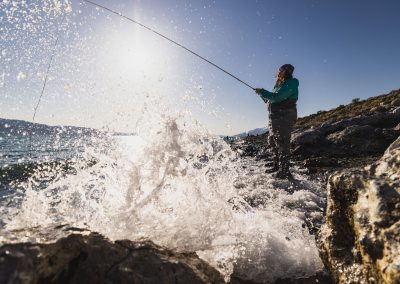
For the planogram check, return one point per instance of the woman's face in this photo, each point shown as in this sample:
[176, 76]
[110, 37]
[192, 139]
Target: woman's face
[280, 73]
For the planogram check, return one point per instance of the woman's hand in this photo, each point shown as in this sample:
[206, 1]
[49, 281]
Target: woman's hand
[258, 91]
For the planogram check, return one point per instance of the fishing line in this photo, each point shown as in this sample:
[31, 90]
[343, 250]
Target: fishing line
[47, 72]
[167, 38]
[45, 82]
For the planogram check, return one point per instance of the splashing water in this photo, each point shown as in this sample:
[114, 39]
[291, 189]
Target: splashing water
[178, 186]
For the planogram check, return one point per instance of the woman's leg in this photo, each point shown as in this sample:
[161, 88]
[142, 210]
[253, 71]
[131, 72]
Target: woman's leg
[283, 129]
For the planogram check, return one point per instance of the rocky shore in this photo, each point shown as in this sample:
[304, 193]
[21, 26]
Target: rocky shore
[350, 136]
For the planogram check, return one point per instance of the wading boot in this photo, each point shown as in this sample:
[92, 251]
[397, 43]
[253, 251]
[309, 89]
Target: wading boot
[272, 166]
[283, 171]
[280, 174]
[271, 170]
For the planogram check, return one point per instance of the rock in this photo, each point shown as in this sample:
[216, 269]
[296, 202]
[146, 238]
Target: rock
[91, 258]
[396, 111]
[87, 257]
[307, 137]
[378, 109]
[360, 242]
[395, 102]
[359, 140]
[320, 161]
[308, 144]
[352, 137]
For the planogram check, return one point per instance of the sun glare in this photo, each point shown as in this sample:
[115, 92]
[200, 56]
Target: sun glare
[130, 67]
[135, 55]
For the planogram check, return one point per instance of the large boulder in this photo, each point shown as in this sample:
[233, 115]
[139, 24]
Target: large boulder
[81, 256]
[91, 258]
[361, 140]
[360, 242]
[361, 135]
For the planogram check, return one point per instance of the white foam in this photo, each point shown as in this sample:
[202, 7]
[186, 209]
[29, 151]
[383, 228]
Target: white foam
[177, 189]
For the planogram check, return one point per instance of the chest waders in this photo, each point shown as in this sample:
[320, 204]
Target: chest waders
[282, 117]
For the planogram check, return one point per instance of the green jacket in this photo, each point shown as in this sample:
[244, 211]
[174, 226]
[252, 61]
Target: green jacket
[288, 90]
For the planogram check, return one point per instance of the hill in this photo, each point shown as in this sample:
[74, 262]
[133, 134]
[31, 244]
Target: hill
[22, 127]
[382, 103]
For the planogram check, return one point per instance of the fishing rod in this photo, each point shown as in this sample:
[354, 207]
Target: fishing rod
[170, 40]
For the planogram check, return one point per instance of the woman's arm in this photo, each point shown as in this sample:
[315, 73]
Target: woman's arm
[283, 92]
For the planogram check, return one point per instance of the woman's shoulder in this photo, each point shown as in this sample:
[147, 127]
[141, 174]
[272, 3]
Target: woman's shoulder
[293, 82]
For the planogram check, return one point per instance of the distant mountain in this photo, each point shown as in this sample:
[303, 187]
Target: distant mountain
[254, 132]
[21, 127]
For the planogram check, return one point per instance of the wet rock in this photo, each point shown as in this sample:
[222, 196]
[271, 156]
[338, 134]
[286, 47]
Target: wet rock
[360, 242]
[87, 257]
[91, 258]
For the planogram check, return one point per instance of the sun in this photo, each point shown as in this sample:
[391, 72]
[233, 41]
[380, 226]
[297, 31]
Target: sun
[137, 54]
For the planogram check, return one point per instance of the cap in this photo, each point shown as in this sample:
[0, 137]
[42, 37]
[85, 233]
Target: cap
[289, 68]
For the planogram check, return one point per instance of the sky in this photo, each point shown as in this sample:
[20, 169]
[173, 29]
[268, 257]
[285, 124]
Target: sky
[108, 72]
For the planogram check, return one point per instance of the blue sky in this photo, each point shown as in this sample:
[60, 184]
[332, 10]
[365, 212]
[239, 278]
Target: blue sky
[341, 50]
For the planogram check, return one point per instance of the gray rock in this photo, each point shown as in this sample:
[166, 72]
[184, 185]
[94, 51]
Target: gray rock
[361, 135]
[79, 256]
[360, 242]
[396, 111]
[359, 140]
[307, 137]
[395, 102]
[90, 258]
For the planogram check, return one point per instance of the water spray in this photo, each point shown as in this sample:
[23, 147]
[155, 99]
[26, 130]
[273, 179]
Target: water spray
[169, 39]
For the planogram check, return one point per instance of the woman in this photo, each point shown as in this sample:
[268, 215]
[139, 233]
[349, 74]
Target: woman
[282, 116]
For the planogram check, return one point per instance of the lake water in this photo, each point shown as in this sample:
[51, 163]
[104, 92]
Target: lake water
[17, 149]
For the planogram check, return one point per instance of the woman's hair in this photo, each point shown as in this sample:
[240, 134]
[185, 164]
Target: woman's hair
[286, 72]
